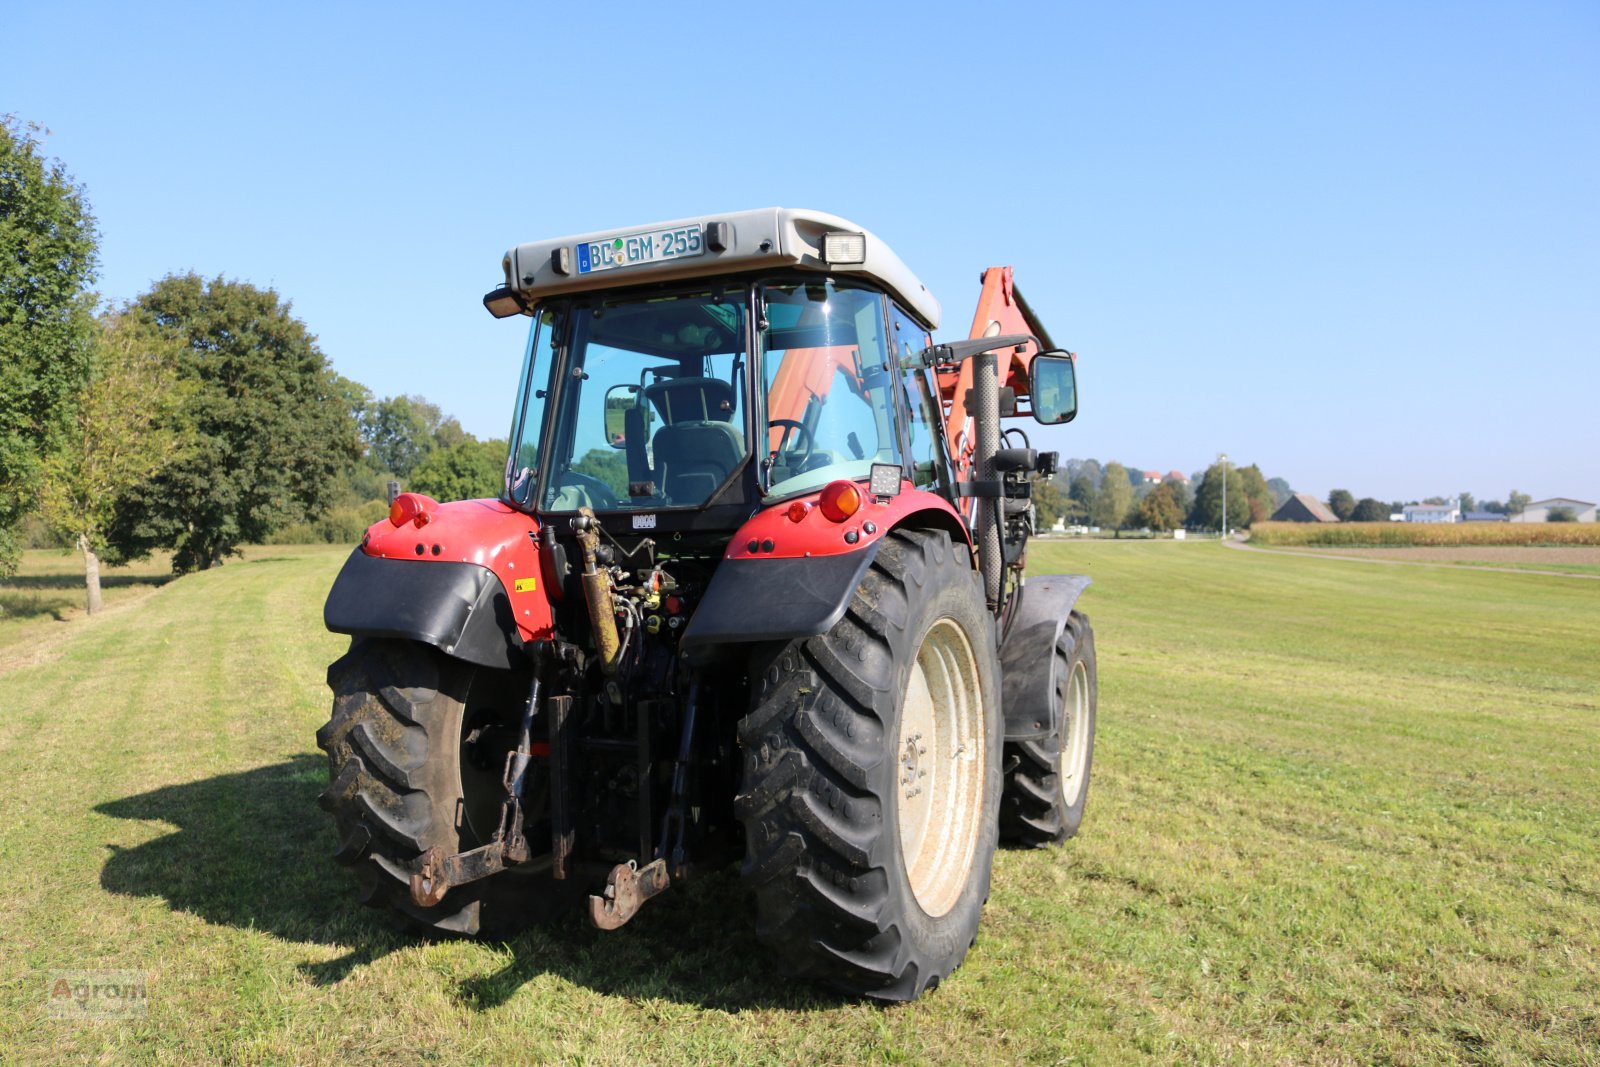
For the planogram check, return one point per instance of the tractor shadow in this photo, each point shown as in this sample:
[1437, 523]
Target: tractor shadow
[74, 582]
[252, 851]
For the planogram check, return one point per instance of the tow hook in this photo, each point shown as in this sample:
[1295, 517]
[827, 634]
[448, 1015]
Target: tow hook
[438, 872]
[627, 888]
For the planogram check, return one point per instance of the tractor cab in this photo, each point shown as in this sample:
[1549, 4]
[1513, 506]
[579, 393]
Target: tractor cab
[686, 390]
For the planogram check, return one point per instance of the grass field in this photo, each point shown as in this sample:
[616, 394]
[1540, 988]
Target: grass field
[1339, 814]
[49, 590]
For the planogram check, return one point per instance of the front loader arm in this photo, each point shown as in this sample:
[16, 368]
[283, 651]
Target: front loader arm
[1001, 311]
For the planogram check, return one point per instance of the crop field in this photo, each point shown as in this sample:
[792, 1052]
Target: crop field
[1397, 534]
[1340, 814]
[1563, 559]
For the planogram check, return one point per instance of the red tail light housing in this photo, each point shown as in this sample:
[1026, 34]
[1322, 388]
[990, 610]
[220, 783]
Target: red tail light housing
[413, 508]
[840, 500]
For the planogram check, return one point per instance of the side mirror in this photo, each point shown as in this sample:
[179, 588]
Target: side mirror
[621, 399]
[1055, 388]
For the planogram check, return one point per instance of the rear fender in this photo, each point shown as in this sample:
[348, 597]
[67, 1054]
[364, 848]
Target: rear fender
[466, 581]
[780, 579]
[459, 608]
[1027, 660]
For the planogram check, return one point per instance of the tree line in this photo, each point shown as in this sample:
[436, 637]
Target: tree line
[1347, 508]
[195, 418]
[1086, 492]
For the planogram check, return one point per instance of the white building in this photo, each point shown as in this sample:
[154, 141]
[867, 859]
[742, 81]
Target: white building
[1539, 510]
[1433, 512]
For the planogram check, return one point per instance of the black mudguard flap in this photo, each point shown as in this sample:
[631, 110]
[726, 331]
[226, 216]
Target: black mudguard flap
[459, 608]
[1027, 660]
[775, 599]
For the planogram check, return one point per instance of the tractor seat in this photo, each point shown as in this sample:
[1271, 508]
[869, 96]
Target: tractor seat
[699, 446]
[691, 400]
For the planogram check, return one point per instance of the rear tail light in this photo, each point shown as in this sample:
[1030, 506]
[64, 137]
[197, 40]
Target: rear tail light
[413, 508]
[840, 500]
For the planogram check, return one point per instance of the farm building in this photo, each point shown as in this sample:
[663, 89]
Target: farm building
[1483, 516]
[1539, 510]
[1303, 507]
[1433, 513]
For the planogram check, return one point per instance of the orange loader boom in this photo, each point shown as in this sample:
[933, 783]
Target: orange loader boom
[1001, 310]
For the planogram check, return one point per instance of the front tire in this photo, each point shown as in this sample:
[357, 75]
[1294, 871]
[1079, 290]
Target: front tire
[871, 784]
[1047, 779]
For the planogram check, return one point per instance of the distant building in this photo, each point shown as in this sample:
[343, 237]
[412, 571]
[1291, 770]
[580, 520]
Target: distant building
[1177, 476]
[1152, 477]
[1303, 507]
[1483, 516]
[1432, 513]
[1539, 510]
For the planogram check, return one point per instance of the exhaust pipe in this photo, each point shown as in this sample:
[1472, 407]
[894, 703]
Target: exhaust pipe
[986, 417]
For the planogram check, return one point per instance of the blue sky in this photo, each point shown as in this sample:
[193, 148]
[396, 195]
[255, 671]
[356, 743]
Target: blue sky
[1358, 244]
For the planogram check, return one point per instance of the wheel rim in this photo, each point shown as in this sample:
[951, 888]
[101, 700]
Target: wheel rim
[941, 760]
[1075, 735]
[487, 735]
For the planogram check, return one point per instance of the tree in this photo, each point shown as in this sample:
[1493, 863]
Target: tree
[1048, 503]
[1370, 510]
[1088, 468]
[1257, 493]
[128, 424]
[47, 262]
[1207, 511]
[1183, 495]
[1114, 499]
[1342, 503]
[1081, 496]
[474, 469]
[1159, 510]
[402, 431]
[1561, 513]
[1468, 502]
[1281, 492]
[1517, 502]
[272, 427]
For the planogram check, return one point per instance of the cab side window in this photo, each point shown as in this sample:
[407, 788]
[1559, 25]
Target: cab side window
[926, 422]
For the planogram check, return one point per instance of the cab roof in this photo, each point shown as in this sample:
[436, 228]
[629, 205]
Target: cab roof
[730, 243]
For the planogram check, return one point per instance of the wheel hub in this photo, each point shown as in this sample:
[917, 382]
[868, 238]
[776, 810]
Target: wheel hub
[910, 766]
[941, 770]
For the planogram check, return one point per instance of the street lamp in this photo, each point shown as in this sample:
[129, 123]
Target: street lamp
[1224, 458]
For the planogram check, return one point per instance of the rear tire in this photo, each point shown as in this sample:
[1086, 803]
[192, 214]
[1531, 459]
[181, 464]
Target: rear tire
[871, 786]
[404, 778]
[1047, 779]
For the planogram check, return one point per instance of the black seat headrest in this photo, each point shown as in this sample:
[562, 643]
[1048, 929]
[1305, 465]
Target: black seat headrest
[692, 399]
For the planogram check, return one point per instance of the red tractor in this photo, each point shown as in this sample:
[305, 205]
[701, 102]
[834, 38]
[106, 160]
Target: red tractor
[754, 588]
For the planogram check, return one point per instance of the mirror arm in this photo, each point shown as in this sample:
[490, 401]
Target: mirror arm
[954, 352]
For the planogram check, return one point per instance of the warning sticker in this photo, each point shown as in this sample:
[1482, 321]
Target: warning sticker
[525, 585]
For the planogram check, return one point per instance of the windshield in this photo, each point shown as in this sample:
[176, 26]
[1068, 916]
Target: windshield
[648, 412]
[830, 407]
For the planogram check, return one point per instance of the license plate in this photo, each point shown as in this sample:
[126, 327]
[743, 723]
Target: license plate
[637, 249]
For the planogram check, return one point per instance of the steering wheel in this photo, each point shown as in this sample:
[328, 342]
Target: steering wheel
[803, 435]
[599, 493]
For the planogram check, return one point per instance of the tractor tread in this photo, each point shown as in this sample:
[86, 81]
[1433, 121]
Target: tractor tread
[821, 849]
